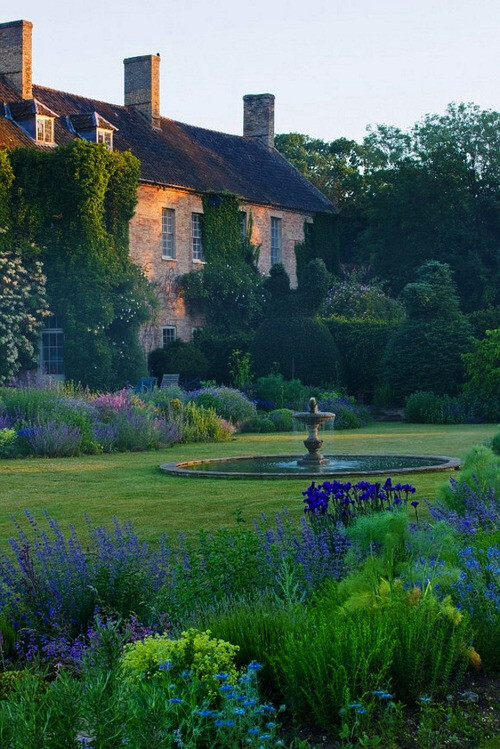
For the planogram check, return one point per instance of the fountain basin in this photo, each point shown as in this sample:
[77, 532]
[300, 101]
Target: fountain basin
[286, 466]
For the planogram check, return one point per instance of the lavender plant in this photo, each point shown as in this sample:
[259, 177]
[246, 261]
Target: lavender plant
[474, 507]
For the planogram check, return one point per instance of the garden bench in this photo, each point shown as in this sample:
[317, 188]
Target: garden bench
[145, 384]
[169, 379]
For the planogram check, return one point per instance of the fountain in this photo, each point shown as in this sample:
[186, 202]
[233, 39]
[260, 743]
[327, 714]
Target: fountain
[313, 464]
[312, 419]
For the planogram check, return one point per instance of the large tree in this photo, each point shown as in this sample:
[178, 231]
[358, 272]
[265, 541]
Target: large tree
[406, 197]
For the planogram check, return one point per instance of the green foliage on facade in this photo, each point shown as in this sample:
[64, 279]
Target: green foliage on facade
[76, 202]
[221, 227]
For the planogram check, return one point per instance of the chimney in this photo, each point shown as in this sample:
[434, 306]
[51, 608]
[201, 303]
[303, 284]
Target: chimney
[15, 56]
[142, 86]
[258, 118]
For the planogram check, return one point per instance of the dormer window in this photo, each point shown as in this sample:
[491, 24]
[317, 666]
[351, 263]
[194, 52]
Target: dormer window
[105, 137]
[93, 127]
[44, 129]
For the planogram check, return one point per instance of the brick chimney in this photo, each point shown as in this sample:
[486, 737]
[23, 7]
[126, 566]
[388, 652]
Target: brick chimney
[142, 86]
[258, 118]
[15, 56]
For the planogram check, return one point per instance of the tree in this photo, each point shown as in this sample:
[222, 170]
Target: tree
[424, 352]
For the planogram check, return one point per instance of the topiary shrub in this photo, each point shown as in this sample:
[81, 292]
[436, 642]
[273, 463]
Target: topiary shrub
[178, 357]
[297, 343]
[424, 352]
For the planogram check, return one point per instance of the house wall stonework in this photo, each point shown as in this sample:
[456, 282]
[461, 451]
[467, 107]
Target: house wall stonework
[146, 251]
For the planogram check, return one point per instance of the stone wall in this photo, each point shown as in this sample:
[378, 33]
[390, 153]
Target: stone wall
[146, 251]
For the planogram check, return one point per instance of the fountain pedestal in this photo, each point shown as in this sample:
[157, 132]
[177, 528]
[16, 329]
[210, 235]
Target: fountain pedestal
[312, 419]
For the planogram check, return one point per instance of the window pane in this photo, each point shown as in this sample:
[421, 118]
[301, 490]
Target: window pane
[196, 242]
[168, 232]
[169, 334]
[275, 240]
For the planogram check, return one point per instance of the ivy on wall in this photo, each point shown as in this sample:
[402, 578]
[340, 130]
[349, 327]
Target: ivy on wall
[221, 227]
[321, 240]
[76, 203]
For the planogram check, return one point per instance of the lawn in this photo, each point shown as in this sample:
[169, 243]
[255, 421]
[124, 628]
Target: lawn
[130, 485]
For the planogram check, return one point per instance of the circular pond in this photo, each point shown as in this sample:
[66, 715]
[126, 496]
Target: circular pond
[286, 466]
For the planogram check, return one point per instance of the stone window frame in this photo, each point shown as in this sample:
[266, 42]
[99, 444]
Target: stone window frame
[168, 249]
[52, 348]
[44, 129]
[168, 335]
[276, 240]
[196, 238]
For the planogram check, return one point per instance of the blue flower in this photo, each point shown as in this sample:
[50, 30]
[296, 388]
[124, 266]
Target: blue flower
[218, 722]
[175, 700]
[229, 723]
[249, 702]
[254, 665]
[386, 696]
[239, 711]
[222, 676]
[253, 730]
[355, 704]
[165, 666]
[206, 713]
[226, 688]
[361, 710]
[424, 698]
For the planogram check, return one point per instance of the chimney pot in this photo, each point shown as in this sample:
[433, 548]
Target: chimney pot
[258, 118]
[15, 56]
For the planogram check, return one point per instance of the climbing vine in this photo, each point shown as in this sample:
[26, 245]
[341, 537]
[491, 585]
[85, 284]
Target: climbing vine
[221, 227]
[75, 203]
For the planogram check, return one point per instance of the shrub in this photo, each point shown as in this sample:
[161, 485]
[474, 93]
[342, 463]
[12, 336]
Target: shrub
[424, 352]
[495, 444]
[313, 286]
[476, 592]
[51, 439]
[180, 357]
[297, 344]
[9, 447]
[361, 345]
[428, 408]
[483, 374]
[354, 299]
[277, 392]
[203, 425]
[195, 651]
[282, 419]
[258, 425]
[348, 415]
[136, 431]
[227, 403]
[218, 348]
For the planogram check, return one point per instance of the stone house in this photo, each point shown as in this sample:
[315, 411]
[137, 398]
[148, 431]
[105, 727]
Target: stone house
[179, 163]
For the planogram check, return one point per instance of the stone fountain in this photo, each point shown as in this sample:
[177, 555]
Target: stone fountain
[312, 419]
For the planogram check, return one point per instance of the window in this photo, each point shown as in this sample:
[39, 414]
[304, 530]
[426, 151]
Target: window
[168, 232]
[275, 240]
[169, 334]
[106, 138]
[44, 129]
[243, 223]
[52, 360]
[196, 219]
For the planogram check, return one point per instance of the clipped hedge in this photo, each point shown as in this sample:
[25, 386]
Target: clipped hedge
[298, 342]
[361, 344]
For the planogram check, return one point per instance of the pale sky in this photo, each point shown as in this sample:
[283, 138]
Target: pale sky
[334, 67]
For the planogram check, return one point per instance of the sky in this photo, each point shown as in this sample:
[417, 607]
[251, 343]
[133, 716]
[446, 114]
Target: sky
[334, 67]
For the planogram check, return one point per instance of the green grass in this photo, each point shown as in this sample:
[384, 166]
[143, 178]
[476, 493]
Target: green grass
[130, 485]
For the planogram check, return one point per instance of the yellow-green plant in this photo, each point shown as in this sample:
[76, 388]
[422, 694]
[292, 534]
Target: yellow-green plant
[209, 659]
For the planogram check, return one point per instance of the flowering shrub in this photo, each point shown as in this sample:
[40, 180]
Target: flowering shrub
[227, 402]
[210, 660]
[9, 447]
[344, 502]
[51, 439]
[474, 508]
[348, 415]
[477, 592]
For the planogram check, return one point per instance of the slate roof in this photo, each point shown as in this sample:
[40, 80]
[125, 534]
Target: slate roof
[180, 155]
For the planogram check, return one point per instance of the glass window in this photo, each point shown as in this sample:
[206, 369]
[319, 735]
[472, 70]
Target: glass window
[243, 223]
[44, 129]
[106, 138]
[169, 334]
[52, 359]
[275, 240]
[168, 232]
[196, 242]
